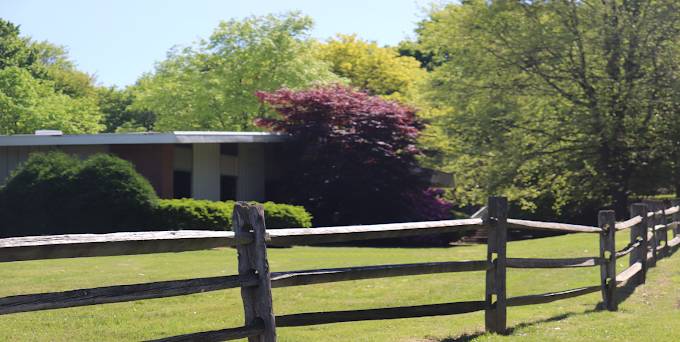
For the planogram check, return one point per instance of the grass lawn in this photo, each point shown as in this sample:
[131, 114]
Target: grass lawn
[649, 314]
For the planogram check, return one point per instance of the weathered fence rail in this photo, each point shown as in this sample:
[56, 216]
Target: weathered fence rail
[91, 245]
[649, 241]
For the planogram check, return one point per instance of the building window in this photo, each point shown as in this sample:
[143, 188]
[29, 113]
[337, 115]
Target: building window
[181, 184]
[229, 149]
[274, 191]
[227, 188]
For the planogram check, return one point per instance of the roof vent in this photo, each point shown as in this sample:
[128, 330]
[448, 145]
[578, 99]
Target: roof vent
[48, 132]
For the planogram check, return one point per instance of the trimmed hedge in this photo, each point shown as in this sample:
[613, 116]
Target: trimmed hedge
[55, 193]
[286, 216]
[201, 214]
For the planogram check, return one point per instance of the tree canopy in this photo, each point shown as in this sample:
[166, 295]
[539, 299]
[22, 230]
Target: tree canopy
[551, 102]
[28, 104]
[119, 113]
[376, 70]
[40, 88]
[211, 85]
[354, 157]
[555, 104]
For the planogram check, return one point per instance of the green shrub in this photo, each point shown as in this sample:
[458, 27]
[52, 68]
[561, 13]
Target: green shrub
[200, 214]
[286, 216]
[187, 213]
[53, 193]
[26, 201]
[109, 191]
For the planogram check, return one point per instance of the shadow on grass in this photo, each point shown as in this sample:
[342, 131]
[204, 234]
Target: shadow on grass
[511, 330]
[622, 293]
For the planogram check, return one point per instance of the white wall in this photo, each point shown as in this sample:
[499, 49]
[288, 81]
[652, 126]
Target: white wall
[250, 182]
[205, 175]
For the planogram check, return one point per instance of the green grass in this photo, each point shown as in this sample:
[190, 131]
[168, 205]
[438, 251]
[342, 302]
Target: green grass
[648, 315]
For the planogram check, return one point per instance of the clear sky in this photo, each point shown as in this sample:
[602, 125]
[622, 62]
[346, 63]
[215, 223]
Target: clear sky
[118, 40]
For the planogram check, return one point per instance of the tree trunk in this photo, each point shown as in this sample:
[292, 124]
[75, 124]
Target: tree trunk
[620, 204]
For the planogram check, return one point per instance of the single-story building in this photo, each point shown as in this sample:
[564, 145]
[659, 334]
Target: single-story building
[201, 165]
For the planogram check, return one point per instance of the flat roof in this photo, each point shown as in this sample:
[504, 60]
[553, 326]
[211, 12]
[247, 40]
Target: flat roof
[177, 137]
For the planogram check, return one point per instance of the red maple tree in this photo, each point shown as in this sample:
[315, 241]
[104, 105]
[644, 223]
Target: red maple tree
[353, 158]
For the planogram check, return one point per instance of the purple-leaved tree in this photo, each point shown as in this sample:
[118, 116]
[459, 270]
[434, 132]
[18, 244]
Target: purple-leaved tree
[353, 159]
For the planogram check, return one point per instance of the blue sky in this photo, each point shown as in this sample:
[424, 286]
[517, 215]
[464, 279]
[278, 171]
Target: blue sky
[119, 40]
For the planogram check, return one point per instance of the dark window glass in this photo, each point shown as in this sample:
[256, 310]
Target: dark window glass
[181, 184]
[229, 149]
[227, 188]
[274, 191]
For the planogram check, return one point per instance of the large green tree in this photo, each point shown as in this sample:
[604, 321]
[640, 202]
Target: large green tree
[41, 88]
[212, 85]
[371, 68]
[119, 113]
[554, 102]
[14, 49]
[28, 104]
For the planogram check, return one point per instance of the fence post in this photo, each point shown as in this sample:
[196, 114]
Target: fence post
[664, 231]
[496, 220]
[639, 232]
[653, 242]
[655, 233]
[675, 218]
[607, 221]
[248, 219]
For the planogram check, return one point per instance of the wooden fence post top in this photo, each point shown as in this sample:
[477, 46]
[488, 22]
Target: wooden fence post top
[675, 217]
[639, 209]
[252, 259]
[496, 312]
[639, 232]
[245, 215]
[605, 219]
[496, 207]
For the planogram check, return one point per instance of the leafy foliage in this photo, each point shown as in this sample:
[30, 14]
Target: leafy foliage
[373, 69]
[53, 193]
[189, 213]
[286, 216]
[14, 50]
[119, 116]
[28, 104]
[409, 48]
[354, 157]
[40, 88]
[201, 214]
[212, 85]
[52, 63]
[554, 103]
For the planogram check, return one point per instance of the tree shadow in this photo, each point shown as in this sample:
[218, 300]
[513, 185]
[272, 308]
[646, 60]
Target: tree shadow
[511, 330]
[622, 293]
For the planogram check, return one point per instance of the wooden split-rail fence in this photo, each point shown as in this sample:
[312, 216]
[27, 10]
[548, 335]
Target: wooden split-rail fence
[649, 241]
